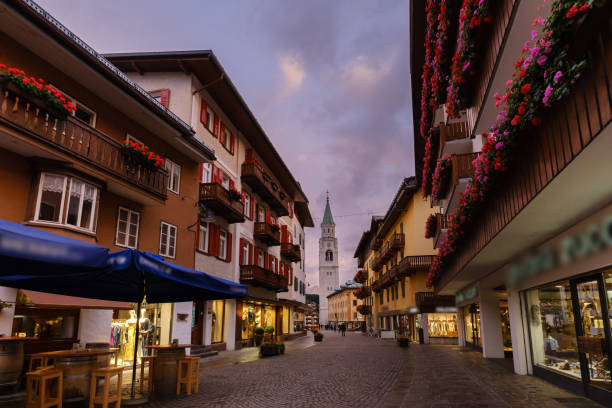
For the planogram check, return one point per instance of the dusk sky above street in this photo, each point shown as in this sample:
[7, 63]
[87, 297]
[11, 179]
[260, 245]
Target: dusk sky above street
[328, 81]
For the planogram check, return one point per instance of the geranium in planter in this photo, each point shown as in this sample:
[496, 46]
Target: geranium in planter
[138, 154]
[430, 226]
[403, 340]
[42, 93]
[234, 195]
[441, 177]
[268, 349]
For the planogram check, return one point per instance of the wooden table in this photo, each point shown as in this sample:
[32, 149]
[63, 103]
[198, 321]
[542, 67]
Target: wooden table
[165, 368]
[11, 359]
[77, 367]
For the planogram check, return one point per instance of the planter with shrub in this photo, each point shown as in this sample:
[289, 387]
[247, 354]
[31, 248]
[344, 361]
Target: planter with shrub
[403, 341]
[259, 333]
[318, 337]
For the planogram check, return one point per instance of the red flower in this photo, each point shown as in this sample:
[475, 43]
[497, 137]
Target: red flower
[516, 120]
[536, 121]
[522, 74]
[488, 19]
[521, 108]
[525, 89]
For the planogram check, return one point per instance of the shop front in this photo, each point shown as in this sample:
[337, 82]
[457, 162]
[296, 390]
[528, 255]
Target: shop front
[254, 313]
[471, 321]
[437, 317]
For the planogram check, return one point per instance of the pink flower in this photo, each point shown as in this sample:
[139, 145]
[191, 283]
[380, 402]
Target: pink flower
[557, 76]
[542, 60]
[547, 94]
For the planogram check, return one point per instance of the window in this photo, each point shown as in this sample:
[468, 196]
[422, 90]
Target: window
[82, 112]
[174, 176]
[387, 290]
[204, 236]
[403, 288]
[225, 181]
[80, 209]
[223, 244]
[273, 264]
[260, 258]
[329, 255]
[167, 240]
[210, 115]
[206, 172]
[245, 253]
[295, 284]
[354, 303]
[128, 222]
[247, 205]
[381, 297]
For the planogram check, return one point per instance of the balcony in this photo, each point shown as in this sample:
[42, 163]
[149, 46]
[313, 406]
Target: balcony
[363, 292]
[457, 132]
[386, 280]
[76, 139]
[255, 275]
[377, 244]
[462, 170]
[377, 264]
[267, 233]
[441, 230]
[394, 244]
[260, 182]
[364, 309]
[217, 198]
[361, 276]
[291, 252]
[412, 264]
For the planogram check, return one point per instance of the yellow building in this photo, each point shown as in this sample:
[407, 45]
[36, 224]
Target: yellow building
[395, 257]
[343, 304]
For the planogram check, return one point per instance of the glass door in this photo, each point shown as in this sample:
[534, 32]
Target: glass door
[593, 328]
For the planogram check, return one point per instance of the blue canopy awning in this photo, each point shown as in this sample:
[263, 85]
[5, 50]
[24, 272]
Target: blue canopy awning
[38, 260]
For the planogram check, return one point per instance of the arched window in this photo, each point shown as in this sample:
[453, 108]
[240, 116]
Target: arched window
[329, 256]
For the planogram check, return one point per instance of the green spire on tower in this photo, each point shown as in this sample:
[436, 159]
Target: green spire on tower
[327, 216]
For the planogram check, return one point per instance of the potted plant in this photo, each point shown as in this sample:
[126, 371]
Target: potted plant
[259, 333]
[281, 348]
[268, 349]
[403, 340]
[430, 226]
[318, 336]
[269, 331]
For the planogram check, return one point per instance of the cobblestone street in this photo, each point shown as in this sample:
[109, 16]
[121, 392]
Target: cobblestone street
[362, 371]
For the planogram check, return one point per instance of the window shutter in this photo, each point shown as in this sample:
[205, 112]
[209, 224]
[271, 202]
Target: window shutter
[266, 260]
[165, 97]
[250, 261]
[222, 134]
[276, 264]
[253, 207]
[268, 217]
[228, 249]
[203, 111]
[232, 185]
[216, 127]
[255, 251]
[211, 238]
[232, 142]
[197, 240]
[213, 174]
[284, 233]
[201, 171]
[241, 254]
[249, 156]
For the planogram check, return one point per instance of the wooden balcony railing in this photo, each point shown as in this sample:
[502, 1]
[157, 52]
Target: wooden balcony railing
[291, 252]
[255, 275]
[29, 116]
[363, 292]
[377, 263]
[567, 128]
[416, 263]
[364, 309]
[461, 167]
[453, 131]
[394, 244]
[377, 244]
[441, 229]
[361, 276]
[267, 233]
[253, 175]
[386, 279]
[217, 198]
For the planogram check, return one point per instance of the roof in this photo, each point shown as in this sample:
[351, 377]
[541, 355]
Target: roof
[52, 27]
[327, 216]
[398, 205]
[211, 74]
[349, 285]
[367, 236]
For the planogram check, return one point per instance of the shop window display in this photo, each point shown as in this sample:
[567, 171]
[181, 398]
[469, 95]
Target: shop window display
[442, 324]
[505, 325]
[123, 333]
[217, 314]
[254, 315]
[471, 317]
[553, 333]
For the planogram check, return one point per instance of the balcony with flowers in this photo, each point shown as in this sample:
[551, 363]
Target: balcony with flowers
[394, 243]
[267, 232]
[361, 276]
[363, 292]
[225, 203]
[255, 275]
[364, 310]
[44, 115]
[254, 175]
[413, 264]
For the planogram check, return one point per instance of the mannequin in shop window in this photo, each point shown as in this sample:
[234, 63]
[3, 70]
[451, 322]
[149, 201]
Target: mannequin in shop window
[146, 333]
[130, 333]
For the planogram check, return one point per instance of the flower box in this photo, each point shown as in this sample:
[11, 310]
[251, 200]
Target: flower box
[138, 154]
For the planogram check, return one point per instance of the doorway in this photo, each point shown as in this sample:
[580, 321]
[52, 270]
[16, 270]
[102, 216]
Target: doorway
[197, 322]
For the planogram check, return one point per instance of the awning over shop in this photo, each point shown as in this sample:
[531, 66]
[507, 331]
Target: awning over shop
[428, 302]
[32, 298]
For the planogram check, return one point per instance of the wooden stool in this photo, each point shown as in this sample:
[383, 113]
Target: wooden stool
[115, 351]
[148, 378]
[38, 391]
[191, 364]
[39, 361]
[106, 397]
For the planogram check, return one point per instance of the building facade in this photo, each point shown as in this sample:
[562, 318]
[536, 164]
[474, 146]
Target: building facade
[74, 173]
[329, 279]
[524, 214]
[342, 306]
[252, 212]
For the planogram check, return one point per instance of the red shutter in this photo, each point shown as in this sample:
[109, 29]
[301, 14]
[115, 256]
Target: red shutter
[213, 176]
[229, 247]
[197, 240]
[222, 134]
[201, 172]
[232, 143]
[255, 255]
[211, 238]
[232, 185]
[276, 264]
[268, 220]
[267, 260]
[284, 233]
[216, 127]
[203, 111]
[291, 273]
[241, 254]
[250, 261]
[165, 97]
[249, 156]
[252, 207]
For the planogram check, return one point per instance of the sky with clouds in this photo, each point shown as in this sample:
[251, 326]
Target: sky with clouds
[328, 80]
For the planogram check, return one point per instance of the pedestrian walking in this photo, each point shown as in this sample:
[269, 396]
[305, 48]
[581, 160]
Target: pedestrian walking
[343, 329]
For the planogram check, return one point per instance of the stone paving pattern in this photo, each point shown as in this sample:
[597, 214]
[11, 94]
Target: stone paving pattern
[361, 371]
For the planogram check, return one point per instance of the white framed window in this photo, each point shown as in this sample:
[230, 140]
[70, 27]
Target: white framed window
[53, 192]
[174, 176]
[225, 181]
[247, 205]
[206, 172]
[203, 237]
[245, 254]
[261, 215]
[223, 244]
[260, 258]
[273, 264]
[82, 112]
[128, 223]
[167, 240]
